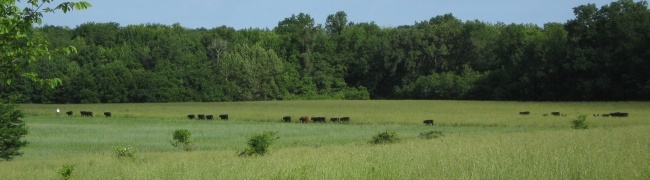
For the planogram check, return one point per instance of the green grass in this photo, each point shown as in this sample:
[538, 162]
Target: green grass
[483, 140]
[490, 113]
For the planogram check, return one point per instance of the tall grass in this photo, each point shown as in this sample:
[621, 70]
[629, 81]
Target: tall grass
[483, 140]
[616, 153]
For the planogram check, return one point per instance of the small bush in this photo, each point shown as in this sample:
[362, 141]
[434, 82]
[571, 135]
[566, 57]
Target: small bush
[431, 134]
[182, 139]
[580, 123]
[259, 144]
[125, 153]
[66, 171]
[385, 137]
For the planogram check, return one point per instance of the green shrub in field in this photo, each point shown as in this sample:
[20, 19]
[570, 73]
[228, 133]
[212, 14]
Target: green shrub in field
[182, 139]
[259, 144]
[580, 123]
[385, 137]
[431, 134]
[66, 172]
[125, 153]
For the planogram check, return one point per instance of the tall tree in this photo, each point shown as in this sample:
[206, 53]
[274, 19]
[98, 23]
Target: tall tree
[18, 51]
[609, 46]
[298, 33]
[335, 23]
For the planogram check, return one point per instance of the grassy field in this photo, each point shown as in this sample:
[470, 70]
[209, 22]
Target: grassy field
[483, 140]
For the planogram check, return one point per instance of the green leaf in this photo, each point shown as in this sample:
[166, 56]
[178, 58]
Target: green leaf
[82, 5]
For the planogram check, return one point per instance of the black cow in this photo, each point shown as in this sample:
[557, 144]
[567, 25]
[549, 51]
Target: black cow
[191, 116]
[318, 119]
[69, 113]
[345, 119]
[223, 117]
[334, 120]
[428, 122]
[524, 113]
[201, 116]
[86, 113]
[286, 118]
[107, 114]
[555, 113]
[304, 119]
[618, 114]
[209, 117]
[605, 115]
[624, 114]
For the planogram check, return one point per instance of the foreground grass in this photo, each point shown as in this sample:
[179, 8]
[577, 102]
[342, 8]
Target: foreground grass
[614, 153]
[503, 146]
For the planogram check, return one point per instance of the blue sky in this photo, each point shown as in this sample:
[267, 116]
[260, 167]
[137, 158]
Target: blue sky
[267, 13]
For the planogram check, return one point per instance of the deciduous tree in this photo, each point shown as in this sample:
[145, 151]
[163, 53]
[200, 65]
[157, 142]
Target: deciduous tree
[18, 51]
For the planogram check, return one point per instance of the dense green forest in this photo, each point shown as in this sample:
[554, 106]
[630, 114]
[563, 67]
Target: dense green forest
[601, 55]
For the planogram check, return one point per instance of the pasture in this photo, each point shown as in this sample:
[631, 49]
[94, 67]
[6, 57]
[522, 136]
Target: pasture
[482, 140]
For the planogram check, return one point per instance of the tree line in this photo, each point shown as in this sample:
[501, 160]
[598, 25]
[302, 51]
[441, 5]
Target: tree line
[601, 55]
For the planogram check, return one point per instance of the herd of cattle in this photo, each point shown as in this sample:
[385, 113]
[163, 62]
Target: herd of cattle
[306, 119]
[207, 117]
[614, 114]
[88, 113]
[303, 119]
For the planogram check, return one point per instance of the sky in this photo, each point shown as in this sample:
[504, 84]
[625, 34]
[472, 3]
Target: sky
[241, 14]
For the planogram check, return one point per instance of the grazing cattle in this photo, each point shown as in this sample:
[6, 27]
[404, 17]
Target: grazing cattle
[107, 114]
[428, 122]
[624, 114]
[190, 116]
[524, 113]
[201, 116]
[596, 115]
[618, 114]
[86, 113]
[555, 113]
[69, 113]
[209, 117]
[605, 115]
[304, 119]
[318, 119]
[345, 119]
[223, 117]
[334, 120]
[286, 118]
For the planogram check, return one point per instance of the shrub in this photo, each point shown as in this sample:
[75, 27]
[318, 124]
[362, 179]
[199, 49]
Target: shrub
[360, 93]
[580, 123]
[182, 139]
[125, 153]
[12, 128]
[431, 134]
[259, 144]
[66, 171]
[385, 137]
